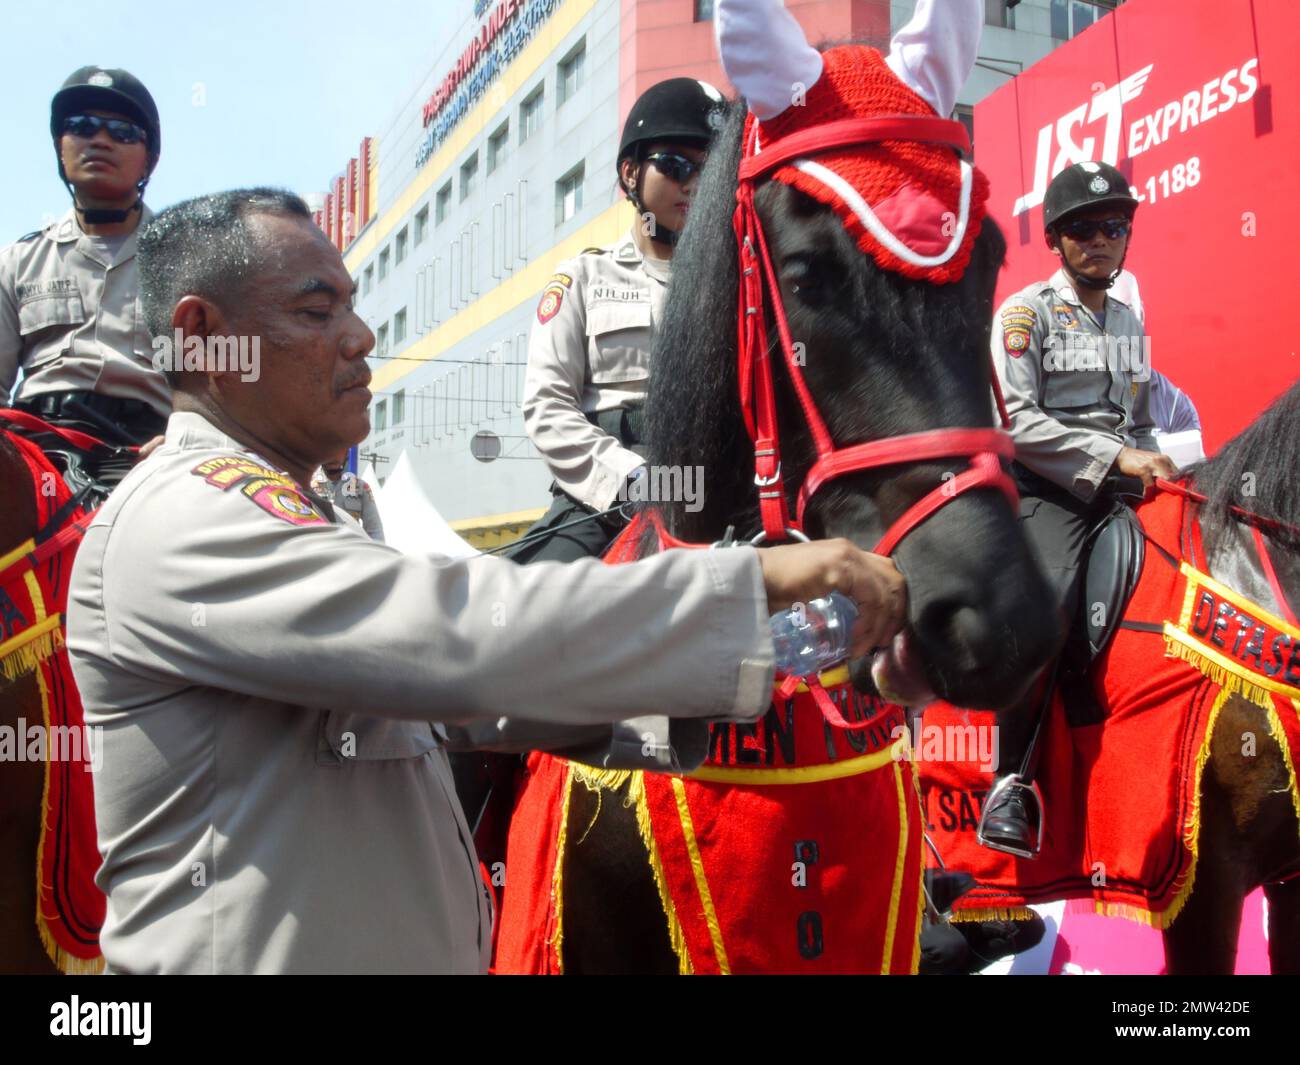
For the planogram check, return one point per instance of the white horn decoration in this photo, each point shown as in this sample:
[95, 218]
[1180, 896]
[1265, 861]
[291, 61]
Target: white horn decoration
[765, 54]
[934, 53]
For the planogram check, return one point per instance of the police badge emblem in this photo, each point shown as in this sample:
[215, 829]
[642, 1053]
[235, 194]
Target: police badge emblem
[1099, 185]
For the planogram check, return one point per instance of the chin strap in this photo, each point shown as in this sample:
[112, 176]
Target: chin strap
[99, 216]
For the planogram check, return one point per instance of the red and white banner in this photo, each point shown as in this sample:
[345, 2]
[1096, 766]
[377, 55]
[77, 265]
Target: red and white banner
[1198, 104]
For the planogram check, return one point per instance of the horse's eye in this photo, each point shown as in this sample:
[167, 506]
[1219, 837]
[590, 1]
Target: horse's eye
[807, 280]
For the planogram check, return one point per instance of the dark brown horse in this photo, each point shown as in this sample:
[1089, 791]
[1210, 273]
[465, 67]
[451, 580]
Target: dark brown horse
[885, 356]
[1249, 833]
[21, 782]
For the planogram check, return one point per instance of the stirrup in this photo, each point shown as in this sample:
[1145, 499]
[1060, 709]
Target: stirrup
[1029, 791]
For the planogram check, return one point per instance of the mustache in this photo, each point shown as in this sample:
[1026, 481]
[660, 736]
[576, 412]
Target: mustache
[361, 380]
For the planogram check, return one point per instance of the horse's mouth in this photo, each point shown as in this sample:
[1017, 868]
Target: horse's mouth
[898, 673]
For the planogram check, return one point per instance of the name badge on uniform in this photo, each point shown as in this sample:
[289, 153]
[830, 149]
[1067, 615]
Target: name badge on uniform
[620, 293]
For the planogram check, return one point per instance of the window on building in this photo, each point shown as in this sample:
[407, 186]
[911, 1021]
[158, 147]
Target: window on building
[703, 10]
[1070, 18]
[497, 144]
[468, 174]
[399, 247]
[569, 77]
[443, 204]
[421, 224]
[381, 340]
[399, 326]
[530, 114]
[383, 264]
[368, 280]
[568, 195]
[997, 13]
[381, 417]
[966, 116]
[399, 406]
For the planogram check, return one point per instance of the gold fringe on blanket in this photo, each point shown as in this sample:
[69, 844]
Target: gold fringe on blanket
[600, 780]
[23, 654]
[67, 963]
[1231, 682]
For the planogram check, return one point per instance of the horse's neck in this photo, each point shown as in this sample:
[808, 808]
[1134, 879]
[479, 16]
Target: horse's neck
[1234, 560]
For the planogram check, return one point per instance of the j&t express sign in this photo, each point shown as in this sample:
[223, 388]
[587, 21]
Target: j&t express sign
[1198, 104]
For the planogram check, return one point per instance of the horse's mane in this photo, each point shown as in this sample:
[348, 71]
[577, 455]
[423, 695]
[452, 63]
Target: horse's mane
[1258, 470]
[695, 347]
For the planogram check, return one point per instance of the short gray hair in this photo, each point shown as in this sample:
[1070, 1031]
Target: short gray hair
[203, 247]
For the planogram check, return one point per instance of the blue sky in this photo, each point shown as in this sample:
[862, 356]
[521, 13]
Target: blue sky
[276, 92]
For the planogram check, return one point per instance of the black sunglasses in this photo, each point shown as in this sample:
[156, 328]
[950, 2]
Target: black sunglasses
[1086, 228]
[119, 129]
[675, 167]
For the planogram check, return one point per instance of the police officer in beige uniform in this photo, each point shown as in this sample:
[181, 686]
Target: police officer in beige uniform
[349, 493]
[1074, 371]
[70, 318]
[589, 353]
[274, 795]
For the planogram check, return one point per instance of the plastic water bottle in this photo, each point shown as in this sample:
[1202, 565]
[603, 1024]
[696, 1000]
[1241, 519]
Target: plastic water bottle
[810, 637]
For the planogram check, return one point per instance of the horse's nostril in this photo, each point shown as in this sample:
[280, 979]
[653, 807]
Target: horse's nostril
[972, 641]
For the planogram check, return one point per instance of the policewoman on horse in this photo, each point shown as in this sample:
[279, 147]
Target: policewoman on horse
[70, 316]
[589, 353]
[1072, 362]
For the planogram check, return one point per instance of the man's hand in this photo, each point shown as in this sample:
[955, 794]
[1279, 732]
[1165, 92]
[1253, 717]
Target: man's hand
[148, 448]
[796, 573]
[1145, 464]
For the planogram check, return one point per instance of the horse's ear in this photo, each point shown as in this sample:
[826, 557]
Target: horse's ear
[934, 53]
[765, 54]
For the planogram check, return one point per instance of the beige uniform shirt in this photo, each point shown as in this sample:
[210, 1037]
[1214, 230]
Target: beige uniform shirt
[352, 494]
[1076, 391]
[273, 794]
[70, 318]
[590, 351]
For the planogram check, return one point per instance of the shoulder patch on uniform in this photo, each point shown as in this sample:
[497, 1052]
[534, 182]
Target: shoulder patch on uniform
[549, 305]
[593, 251]
[267, 488]
[1065, 316]
[561, 279]
[1015, 339]
[1019, 313]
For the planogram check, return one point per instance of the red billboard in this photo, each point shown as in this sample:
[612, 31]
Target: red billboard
[1198, 104]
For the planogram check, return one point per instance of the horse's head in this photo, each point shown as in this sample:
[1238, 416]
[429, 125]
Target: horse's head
[882, 355]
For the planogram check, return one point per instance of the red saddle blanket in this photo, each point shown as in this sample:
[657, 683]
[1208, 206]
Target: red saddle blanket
[1121, 796]
[796, 848]
[49, 727]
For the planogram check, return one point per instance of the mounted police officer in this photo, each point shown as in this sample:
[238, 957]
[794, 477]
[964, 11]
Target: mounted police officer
[340, 486]
[1074, 368]
[70, 316]
[589, 354]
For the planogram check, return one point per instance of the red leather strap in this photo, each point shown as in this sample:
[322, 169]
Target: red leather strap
[33, 424]
[1282, 604]
[852, 131]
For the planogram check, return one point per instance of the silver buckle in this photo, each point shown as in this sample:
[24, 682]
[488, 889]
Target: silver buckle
[766, 482]
[790, 534]
[1013, 780]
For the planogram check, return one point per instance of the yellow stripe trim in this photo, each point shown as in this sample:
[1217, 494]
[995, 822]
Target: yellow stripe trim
[1258, 680]
[14, 643]
[557, 874]
[13, 556]
[701, 881]
[1195, 576]
[900, 865]
[604, 229]
[804, 774]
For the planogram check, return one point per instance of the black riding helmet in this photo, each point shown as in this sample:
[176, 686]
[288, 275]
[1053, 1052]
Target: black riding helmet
[1079, 188]
[679, 109]
[95, 88]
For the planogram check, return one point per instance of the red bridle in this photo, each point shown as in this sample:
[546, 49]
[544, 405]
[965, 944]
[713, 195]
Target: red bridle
[984, 447]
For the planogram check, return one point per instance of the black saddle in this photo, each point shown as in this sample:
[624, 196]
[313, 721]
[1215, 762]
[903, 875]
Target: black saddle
[1113, 556]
